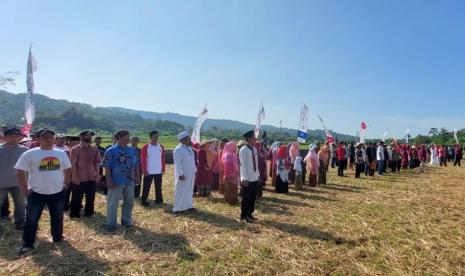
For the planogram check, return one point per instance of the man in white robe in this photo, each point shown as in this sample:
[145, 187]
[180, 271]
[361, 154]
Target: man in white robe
[184, 174]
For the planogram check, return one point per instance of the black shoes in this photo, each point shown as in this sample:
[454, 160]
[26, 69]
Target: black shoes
[248, 219]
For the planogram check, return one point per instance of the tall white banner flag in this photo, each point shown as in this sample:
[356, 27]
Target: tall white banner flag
[329, 136]
[29, 108]
[407, 135]
[303, 125]
[260, 119]
[363, 127]
[198, 124]
[385, 133]
[455, 136]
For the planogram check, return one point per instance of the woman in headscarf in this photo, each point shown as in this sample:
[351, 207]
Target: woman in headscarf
[323, 157]
[293, 153]
[273, 156]
[404, 153]
[282, 171]
[220, 162]
[215, 166]
[195, 149]
[262, 153]
[313, 165]
[230, 164]
[203, 179]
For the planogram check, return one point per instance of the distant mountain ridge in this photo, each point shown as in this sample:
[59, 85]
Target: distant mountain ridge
[12, 106]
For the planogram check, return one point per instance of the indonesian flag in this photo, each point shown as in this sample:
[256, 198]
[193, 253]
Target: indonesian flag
[29, 108]
[260, 119]
[198, 124]
[363, 127]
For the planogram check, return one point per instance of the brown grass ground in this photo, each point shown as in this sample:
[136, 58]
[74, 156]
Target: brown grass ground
[408, 223]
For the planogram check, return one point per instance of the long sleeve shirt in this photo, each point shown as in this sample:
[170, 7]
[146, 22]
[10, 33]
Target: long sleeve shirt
[184, 161]
[249, 172]
[380, 153]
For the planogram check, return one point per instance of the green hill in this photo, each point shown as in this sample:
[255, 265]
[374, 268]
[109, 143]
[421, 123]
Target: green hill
[65, 116]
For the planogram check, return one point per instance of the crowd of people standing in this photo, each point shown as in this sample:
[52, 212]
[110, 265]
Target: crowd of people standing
[60, 171]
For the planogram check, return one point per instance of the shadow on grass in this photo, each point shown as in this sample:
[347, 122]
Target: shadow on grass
[213, 219]
[284, 201]
[347, 186]
[64, 259]
[55, 259]
[267, 205]
[305, 196]
[340, 189]
[145, 239]
[308, 232]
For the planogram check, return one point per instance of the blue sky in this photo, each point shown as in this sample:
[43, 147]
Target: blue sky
[396, 64]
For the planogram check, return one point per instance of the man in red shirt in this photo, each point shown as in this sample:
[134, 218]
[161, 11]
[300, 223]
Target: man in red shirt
[153, 168]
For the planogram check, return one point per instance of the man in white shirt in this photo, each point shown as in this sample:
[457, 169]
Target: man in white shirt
[43, 174]
[184, 174]
[153, 168]
[380, 158]
[250, 176]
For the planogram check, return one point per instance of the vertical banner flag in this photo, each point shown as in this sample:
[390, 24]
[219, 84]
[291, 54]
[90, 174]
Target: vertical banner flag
[407, 135]
[303, 124]
[363, 127]
[385, 133]
[29, 108]
[260, 119]
[455, 136]
[198, 125]
[329, 136]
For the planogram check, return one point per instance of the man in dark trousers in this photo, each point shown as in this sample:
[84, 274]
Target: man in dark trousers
[153, 168]
[85, 160]
[250, 176]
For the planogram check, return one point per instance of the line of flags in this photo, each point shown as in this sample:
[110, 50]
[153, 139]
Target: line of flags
[302, 135]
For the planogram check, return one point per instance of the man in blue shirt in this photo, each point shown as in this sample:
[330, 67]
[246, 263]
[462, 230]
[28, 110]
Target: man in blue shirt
[122, 173]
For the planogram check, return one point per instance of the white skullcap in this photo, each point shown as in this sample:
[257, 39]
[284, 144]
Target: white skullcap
[183, 135]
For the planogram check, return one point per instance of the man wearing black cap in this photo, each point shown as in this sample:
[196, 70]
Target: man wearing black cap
[42, 174]
[122, 172]
[85, 159]
[9, 155]
[153, 168]
[250, 176]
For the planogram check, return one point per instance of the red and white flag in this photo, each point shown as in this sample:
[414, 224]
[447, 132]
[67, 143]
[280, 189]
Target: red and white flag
[29, 108]
[363, 127]
[329, 136]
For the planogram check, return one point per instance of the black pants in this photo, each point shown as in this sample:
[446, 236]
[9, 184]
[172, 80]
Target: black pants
[443, 161]
[157, 178]
[457, 161]
[359, 168]
[249, 195]
[342, 166]
[393, 166]
[5, 208]
[67, 204]
[84, 188]
[35, 205]
[137, 190]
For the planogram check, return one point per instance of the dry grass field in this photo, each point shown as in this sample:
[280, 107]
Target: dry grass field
[407, 223]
